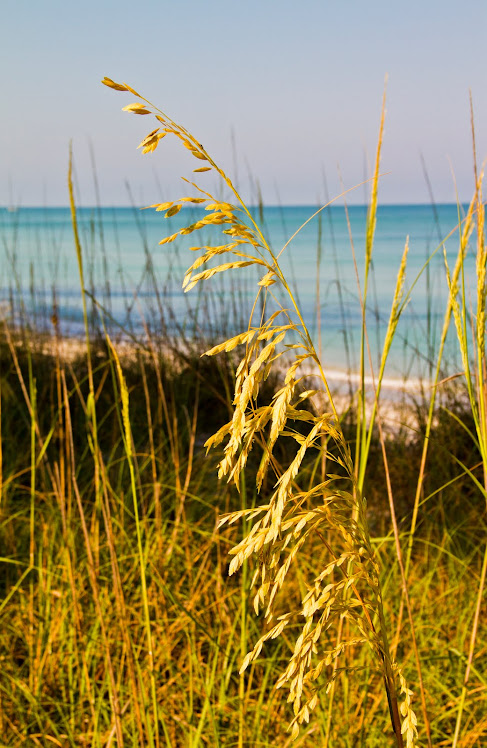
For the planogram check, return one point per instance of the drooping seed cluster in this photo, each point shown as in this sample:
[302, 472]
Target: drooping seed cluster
[343, 602]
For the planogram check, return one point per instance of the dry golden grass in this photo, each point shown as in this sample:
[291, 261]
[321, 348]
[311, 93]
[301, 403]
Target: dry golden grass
[345, 597]
[119, 624]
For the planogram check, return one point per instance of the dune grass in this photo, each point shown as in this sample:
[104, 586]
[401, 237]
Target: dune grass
[119, 622]
[72, 602]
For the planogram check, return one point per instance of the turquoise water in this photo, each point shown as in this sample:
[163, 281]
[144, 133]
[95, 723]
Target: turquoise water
[137, 282]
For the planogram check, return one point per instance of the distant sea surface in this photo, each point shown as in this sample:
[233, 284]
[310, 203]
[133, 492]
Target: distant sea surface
[136, 282]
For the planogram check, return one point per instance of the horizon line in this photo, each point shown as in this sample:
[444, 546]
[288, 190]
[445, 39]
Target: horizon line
[313, 206]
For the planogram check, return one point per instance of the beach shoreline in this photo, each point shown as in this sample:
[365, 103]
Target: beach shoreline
[399, 397]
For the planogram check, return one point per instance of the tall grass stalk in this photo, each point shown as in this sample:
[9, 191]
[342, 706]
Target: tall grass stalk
[291, 515]
[152, 725]
[361, 449]
[365, 425]
[33, 401]
[92, 548]
[472, 336]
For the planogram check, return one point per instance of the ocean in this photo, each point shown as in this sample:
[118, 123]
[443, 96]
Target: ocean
[134, 283]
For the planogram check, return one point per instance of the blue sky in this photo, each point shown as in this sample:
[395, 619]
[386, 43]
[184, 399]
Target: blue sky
[295, 86]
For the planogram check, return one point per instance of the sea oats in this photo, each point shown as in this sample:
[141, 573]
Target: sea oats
[136, 109]
[151, 141]
[409, 725]
[268, 279]
[161, 206]
[332, 511]
[111, 84]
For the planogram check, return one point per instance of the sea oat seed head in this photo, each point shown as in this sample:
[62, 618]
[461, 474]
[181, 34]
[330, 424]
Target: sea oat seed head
[136, 109]
[111, 84]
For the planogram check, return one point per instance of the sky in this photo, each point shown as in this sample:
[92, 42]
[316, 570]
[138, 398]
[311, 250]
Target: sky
[286, 95]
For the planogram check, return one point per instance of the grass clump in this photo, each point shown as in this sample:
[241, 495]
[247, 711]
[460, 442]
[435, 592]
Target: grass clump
[118, 622]
[53, 681]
